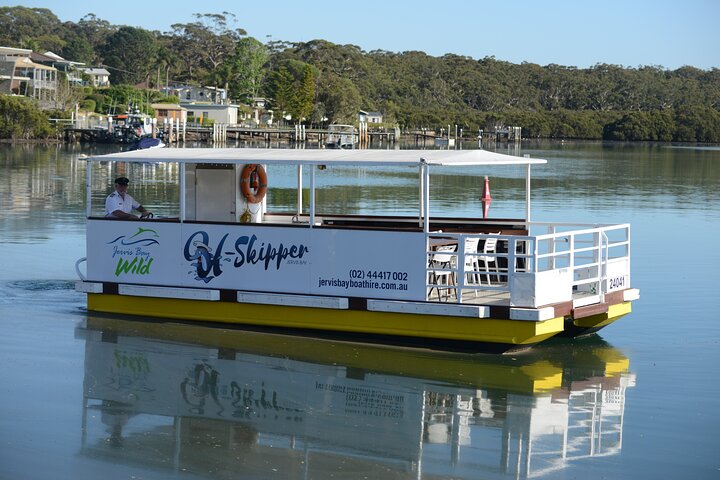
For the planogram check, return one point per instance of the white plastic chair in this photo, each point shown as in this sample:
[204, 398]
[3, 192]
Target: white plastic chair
[472, 277]
[441, 270]
[487, 262]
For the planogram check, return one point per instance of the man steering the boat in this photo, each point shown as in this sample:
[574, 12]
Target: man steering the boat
[120, 204]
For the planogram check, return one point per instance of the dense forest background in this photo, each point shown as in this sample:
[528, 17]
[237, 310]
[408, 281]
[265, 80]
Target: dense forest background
[321, 82]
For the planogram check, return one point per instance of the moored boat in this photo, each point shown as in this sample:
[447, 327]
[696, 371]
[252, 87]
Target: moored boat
[341, 136]
[465, 283]
[132, 127]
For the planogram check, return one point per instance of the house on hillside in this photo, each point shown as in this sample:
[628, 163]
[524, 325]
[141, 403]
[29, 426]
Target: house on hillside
[69, 68]
[20, 75]
[99, 77]
[227, 114]
[257, 110]
[169, 111]
[370, 117]
[190, 94]
[260, 102]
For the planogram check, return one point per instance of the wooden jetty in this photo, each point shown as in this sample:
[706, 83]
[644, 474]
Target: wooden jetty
[296, 134]
[500, 134]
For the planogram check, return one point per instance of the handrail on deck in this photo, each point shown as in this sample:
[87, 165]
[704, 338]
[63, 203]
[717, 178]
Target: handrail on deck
[78, 271]
[586, 251]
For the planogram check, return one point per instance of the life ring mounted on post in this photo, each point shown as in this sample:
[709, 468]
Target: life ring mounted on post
[253, 183]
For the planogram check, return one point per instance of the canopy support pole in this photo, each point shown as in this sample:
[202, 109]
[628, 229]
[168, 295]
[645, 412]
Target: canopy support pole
[527, 196]
[425, 182]
[182, 192]
[299, 189]
[312, 197]
[421, 196]
[88, 188]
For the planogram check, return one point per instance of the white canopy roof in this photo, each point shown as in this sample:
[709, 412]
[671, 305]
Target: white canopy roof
[319, 157]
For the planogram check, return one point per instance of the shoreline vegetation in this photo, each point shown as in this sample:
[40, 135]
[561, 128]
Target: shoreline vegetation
[317, 82]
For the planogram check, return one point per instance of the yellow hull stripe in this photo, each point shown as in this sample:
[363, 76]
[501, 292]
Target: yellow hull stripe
[512, 332]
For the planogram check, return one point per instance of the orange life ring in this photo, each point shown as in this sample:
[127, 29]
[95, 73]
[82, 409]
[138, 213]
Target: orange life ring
[253, 183]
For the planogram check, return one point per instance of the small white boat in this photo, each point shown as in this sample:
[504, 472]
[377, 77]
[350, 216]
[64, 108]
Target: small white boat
[341, 136]
[139, 123]
[478, 283]
[444, 142]
[130, 127]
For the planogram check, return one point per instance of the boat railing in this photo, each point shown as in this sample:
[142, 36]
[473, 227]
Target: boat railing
[586, 252]
[582, 251]
[80, 274]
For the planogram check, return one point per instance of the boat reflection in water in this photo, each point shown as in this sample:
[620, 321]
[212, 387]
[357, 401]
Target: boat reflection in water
[222, 402]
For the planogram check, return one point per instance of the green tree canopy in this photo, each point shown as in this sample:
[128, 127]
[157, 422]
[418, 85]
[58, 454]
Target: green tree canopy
[33, 28]
[21, 119]
[207, 44]
[248, 68]
[130, 53]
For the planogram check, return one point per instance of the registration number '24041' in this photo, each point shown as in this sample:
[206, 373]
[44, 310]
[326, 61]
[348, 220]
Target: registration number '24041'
[616, 283]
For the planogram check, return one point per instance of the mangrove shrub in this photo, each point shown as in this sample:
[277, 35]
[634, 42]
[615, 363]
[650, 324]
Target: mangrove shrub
[21, 119]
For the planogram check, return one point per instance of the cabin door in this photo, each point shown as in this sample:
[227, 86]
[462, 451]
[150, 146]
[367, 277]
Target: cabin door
[215, 193]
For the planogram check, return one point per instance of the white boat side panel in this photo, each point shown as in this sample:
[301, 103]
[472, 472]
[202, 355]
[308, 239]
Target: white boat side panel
[618, 274]
[88, 287]
[283, 299]
[532, 314]
[585, 301]
[538, 289]
[169, 292]
[631, 294]
[370, 264]
[450, 309]
[317, 261]
[134, 252]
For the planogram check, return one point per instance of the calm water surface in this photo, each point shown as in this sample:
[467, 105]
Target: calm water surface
[85, 396]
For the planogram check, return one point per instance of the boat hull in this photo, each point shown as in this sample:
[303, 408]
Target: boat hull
[578, 327]
[462, 333]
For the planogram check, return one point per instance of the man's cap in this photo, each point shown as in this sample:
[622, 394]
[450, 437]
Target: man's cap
[122, 181]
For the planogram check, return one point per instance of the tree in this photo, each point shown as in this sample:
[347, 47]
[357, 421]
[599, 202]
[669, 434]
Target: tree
[338, 98]
[130, 54]
[306, 94]
[31, 28]
[633, 126]
[96, 32]
[78, 49]
[208, 43]
[248, 68]
[166, 62]
[20, 118]
[697, 124]
[66, 94]
[282, 85]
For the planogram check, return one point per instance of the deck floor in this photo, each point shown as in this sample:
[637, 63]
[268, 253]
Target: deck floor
[472, 297]
[496, 298]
